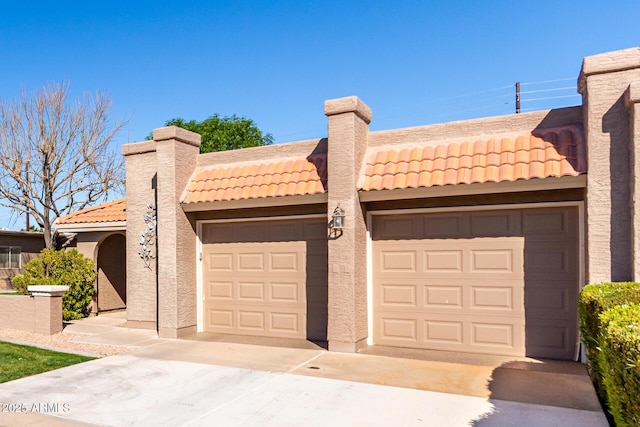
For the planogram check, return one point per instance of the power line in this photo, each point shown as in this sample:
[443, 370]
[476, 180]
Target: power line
[549, 90]
[548, 81]
[549, 97]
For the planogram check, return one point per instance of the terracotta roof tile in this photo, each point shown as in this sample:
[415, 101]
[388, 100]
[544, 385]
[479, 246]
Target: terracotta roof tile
[289, 177]
[114, 211]
[542, 153]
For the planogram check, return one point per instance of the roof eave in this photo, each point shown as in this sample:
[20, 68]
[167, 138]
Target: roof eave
[533, 184]
[92, 226]
[262, 202]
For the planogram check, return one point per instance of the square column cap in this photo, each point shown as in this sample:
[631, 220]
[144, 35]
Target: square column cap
[349, 104]
[177, 133]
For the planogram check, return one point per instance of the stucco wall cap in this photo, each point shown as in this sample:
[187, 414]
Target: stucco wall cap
[609, 62]
[632, 95]
[48, 290]
[349, 104]
[138, 148]
[177, 133]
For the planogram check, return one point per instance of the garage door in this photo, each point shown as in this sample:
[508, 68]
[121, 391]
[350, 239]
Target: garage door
[499, 282]
[266, 278]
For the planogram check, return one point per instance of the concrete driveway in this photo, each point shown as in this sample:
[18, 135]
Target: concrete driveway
[203, 382]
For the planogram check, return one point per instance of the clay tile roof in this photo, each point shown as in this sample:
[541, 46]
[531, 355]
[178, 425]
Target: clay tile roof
[114, 211]
[543, 153]
[287, 177]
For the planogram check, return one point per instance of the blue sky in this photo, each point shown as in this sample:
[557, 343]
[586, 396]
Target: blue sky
[276, 62]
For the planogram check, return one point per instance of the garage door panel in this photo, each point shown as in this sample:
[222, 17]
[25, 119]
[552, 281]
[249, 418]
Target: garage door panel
[398, 295]
[549, 338]
[493, 334]
[445, 225]
[398, 261]
[222, 319]
[546, 300]
[554, 224]
[250, 262]
[555, 259]
[442, 260]
[219, 290]
[450, 296]
[495, 224]
[220, 262]
[285, 322]
[285, 292]
[284, 262]
[443, 332]
[404, 227]
[399, 330]
[254, 291]
[251, 320]
[494, 298]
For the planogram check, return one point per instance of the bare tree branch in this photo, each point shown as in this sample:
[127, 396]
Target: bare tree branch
[56, 155]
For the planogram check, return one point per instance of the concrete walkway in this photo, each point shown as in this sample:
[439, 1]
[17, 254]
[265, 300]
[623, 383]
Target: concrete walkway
[202, 382]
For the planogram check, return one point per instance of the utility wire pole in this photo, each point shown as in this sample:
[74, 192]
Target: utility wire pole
[517, 97]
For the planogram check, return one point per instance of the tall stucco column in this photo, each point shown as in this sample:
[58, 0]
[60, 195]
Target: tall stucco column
[176, 151]
[140, 161]
[348, 121]
[603, 81]
[632, 100]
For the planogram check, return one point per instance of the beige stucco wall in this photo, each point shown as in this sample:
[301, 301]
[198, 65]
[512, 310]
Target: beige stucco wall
[177, 150]
[140, 189]
[632, 100]
[463, 130]
[348, 126]
[603, 81]
[40, 314]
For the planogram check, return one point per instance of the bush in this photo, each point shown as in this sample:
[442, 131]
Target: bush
[62, 268]
[595, 299]
[620, 362]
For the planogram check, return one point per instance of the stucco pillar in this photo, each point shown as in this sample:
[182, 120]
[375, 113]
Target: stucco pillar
[176, 151]
[140, 161]
[48, 308]
[603, 81]
[632, 100]
[348, 121]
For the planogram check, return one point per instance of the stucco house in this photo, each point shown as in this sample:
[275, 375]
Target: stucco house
[471, 236]
[16, 249]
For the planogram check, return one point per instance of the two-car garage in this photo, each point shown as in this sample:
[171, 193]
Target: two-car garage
[493, 280]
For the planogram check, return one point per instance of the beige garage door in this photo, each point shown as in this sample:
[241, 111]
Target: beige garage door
[266, 278]
[499, 282]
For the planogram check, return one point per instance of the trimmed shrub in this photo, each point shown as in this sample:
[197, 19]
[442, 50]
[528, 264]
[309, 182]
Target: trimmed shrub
[595, 299]
[62, 268]
[619, 360]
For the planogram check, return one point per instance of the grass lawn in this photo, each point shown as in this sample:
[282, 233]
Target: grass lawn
[17, 361]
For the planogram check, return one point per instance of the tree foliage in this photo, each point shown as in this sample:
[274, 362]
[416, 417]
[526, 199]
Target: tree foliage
[225, 133]
[56, 155]
[62, 267]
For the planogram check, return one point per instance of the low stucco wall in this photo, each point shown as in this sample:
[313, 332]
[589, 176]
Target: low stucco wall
[40, 313]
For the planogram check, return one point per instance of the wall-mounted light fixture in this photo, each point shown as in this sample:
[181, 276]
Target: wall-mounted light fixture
[337, 221]
[338, 218]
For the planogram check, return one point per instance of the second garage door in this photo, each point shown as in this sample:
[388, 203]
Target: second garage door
[265, 278]
[500, 282]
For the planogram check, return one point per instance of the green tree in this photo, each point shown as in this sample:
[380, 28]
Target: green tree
[224, 133]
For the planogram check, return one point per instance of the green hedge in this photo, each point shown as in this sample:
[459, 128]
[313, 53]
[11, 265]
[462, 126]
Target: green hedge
[620, 362]
[61, 268]
[595, 299]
